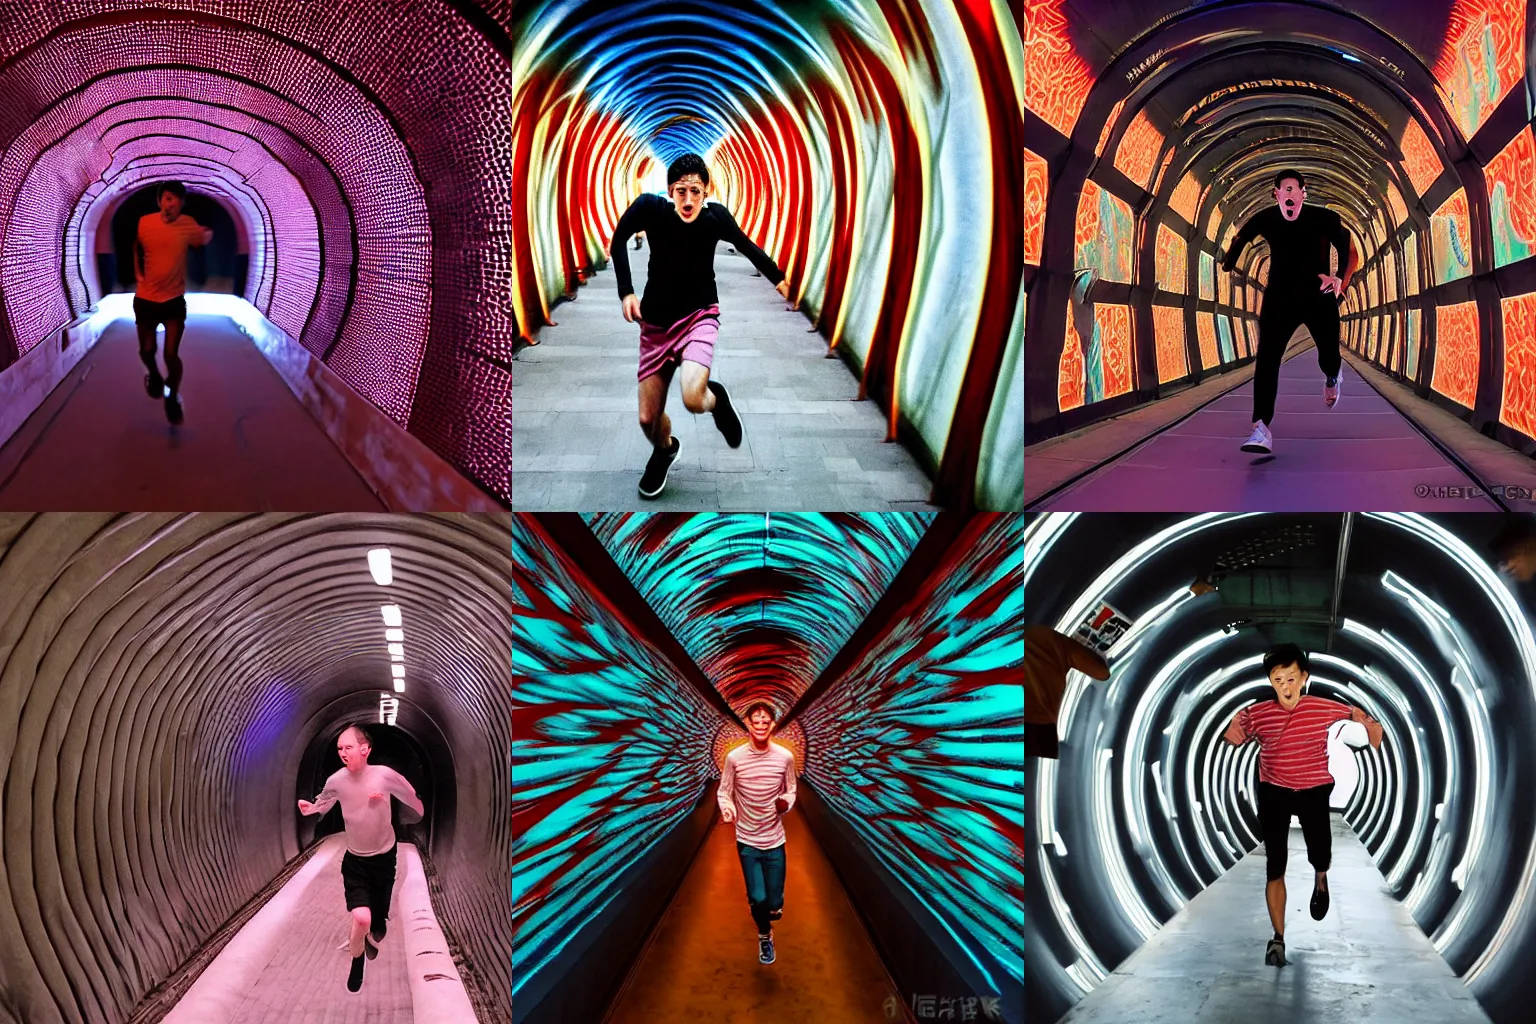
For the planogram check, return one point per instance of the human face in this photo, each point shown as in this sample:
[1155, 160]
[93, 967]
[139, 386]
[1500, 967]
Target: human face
[1519, 561]
[1287, 681]
[354, 752]
[1290, 195]
[760, 725]
[170, 205]
[688, 194]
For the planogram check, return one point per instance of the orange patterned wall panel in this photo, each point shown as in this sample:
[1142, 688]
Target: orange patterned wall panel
[1172, 260]
[1482, 58]
[1109, 126]
[1518, 406]
[1057, 82]
[1104, 234]
[1456, 341]
[1168, 327]
[1137, 153]
[1511, 177]
[1035, 190]
[1205, 327]
[1419, 157]
[1450, 232]
[1069, 372]
[1395, 201]
[1184, 198]
[1115, 341]
[1157, 183]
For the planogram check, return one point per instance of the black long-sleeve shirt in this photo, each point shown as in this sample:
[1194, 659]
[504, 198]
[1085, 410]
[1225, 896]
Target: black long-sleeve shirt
[681, 273]
[1298, 249]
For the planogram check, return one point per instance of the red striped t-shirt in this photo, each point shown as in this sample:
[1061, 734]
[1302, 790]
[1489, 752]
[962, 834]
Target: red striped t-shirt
[1293, 745]
[750, 783]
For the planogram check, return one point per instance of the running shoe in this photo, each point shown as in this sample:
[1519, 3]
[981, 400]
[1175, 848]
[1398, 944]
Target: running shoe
[154, 384]
[173, 408]
[1320, 899]
[1274, 953]
[369, 949]
[355, 979]
[725, 415]
[379, 932]
[765, 949]
[1331, 391]
[655, 476]
[1260, 441]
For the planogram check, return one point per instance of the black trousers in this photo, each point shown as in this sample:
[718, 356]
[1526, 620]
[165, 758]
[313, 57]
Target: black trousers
[1282, 312]
[1276, 805]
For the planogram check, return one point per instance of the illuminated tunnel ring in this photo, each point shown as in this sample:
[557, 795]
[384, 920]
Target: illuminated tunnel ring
[1125, 846]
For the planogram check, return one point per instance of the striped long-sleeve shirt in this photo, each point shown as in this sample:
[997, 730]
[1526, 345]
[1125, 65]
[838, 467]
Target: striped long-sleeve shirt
[750, 783]
[1293, 745]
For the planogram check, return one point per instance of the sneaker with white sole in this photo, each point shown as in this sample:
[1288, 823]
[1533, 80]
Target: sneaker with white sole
[1331, 391]
[1260, 441]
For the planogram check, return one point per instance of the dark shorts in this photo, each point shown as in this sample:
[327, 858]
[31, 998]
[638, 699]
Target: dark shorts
[369, 882]
[152, 314]
[1310, 806]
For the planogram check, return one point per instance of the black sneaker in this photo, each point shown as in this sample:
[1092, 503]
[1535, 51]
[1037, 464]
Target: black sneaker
[725, 415]
[355, 979]
[765, 949]
[379, 932]
[369, 949]
[1274, 953]
[1320, 899]
[655, 476]
[154, 384]
[173, 408]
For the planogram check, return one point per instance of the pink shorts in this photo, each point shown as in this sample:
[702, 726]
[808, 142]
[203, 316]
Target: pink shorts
[692, 337]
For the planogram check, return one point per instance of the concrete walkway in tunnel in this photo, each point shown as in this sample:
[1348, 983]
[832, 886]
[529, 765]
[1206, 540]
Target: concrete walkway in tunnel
[289, 964]
[701, 962]
[1366, 962]
[576, 440]
[99, 443]
[1361, 455]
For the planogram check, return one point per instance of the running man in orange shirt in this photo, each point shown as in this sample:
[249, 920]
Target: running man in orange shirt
[160, 267]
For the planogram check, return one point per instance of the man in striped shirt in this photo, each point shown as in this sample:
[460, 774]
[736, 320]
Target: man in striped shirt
[1292, 732]
[757, 788]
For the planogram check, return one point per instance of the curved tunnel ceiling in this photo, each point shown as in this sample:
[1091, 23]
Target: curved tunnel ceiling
[362, 144]
[1403, 616]
[163, 677]
[869, 147]
[1156, 131]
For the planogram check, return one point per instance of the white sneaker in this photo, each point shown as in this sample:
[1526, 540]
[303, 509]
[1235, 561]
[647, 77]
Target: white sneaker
[1331, 390]
[1260, 441]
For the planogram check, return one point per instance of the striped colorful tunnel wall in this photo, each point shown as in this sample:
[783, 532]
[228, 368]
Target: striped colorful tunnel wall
[376, 203]
[163, 679]
[869, 146]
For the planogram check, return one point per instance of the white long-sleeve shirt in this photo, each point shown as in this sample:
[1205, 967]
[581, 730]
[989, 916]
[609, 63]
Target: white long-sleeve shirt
[750, 783]
[370, 831]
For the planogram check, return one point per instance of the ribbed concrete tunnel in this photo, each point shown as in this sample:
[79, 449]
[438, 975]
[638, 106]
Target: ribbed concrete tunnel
[171, 685]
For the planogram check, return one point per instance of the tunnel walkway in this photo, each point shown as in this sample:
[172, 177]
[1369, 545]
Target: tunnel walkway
[1366, 962]
[701, 962]
[1361, 455]
[99, 443]
[576, 442]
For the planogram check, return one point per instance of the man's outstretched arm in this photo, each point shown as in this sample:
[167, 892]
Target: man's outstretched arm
[1372, 727]
[406, 793]
[324, 802]
[786, 800]
[1236, 734]
[726, 795]
[1244, 235]
[731, 232]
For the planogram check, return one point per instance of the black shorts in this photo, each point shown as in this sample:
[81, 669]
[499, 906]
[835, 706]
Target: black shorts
[152, 314]
[369, 882]
[1310, 806]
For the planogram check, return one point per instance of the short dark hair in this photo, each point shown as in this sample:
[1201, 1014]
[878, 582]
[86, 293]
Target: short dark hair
[688, 163]
[1282, 655]
[175, 188]
[362, 733]
[759, 705]
[1290, 173]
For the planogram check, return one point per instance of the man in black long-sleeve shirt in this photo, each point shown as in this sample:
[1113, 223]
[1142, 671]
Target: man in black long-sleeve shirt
[680, 313]
[1299, 237]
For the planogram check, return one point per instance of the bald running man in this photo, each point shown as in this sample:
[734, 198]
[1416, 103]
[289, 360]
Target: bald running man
[368, 866]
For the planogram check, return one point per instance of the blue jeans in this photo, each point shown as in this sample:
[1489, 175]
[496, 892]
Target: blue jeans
[764, 871]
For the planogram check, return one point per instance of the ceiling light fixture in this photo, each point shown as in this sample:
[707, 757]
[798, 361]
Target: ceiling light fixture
[378, 564]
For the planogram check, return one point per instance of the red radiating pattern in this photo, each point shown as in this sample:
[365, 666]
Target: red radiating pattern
[1137, 152]
[1036, 187]
[1115, 347]
[1456, 339]
[1109, 126]
[1172, 260]
[1185, 197]
[1070, 386]
[1056, 80]
[1518, 406]
[1513, 170]
[1168, 329]
[1419, 157]
[1472, 88]
[1205, 327]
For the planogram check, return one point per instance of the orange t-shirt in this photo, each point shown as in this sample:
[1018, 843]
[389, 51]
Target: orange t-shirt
[164, 275]
[1047, 657]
